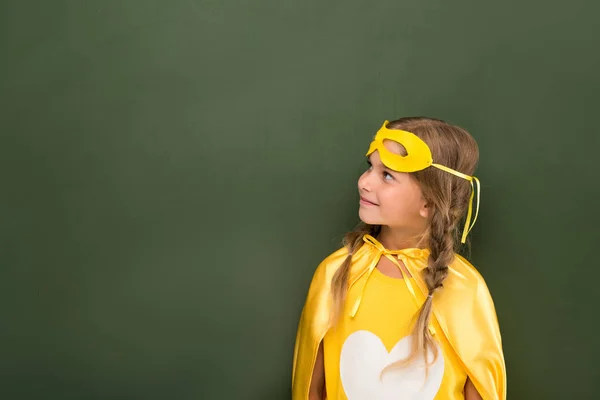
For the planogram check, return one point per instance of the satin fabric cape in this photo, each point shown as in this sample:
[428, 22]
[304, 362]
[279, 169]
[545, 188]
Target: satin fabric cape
[463, 308]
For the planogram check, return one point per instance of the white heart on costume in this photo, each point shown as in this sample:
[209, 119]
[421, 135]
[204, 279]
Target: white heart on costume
[363, 358]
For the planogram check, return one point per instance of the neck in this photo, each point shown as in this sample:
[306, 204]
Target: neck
[394, 239]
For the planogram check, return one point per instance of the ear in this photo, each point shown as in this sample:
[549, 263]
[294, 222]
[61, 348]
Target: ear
[425, 209]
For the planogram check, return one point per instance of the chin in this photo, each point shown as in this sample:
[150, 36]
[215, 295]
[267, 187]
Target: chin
[368, 219]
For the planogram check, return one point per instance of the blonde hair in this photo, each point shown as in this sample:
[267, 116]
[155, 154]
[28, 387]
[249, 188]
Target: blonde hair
[448, 198]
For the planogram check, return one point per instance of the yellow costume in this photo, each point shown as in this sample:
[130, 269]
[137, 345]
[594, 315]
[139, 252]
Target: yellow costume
[359, 348]
[463, 323]
[463, 311]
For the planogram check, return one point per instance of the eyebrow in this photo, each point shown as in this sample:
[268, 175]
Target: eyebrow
[384, 166]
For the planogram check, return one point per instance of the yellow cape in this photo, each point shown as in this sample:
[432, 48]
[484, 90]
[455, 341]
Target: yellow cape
[463, 308]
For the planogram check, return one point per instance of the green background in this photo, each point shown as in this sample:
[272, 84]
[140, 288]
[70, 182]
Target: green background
[172, 172]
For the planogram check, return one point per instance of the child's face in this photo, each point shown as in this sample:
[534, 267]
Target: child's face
[398, 199]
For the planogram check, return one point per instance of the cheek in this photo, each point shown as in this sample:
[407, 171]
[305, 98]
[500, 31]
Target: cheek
[398, 203]
[390, 202]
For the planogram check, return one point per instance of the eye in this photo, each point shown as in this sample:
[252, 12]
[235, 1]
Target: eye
[386, 174]
[370, 166]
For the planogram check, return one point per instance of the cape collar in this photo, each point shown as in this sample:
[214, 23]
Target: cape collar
[413, 258]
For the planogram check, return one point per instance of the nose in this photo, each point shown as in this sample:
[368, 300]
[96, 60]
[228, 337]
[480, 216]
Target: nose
[364, 182]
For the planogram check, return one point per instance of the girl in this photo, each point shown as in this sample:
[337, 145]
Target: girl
[396, 313]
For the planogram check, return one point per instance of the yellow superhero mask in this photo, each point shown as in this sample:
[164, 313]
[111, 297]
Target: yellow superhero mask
[418, 158]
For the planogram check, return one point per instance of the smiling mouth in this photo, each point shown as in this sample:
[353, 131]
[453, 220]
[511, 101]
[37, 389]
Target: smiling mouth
[366, 202]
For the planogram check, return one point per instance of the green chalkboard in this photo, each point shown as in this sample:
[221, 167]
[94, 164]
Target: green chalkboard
[173, 171]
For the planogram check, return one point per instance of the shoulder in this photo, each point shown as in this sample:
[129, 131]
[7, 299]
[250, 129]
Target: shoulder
[463, 276]
[467, 269]
[334, 260]
[318, 298]
[328, 266]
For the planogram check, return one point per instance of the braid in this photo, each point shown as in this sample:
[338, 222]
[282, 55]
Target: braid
[339, 283]
[441, 243]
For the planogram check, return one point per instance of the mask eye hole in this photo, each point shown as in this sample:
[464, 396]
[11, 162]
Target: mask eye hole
[395, 147]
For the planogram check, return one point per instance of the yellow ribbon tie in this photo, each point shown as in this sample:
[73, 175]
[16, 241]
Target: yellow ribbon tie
[468, 224]
[381, 250]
